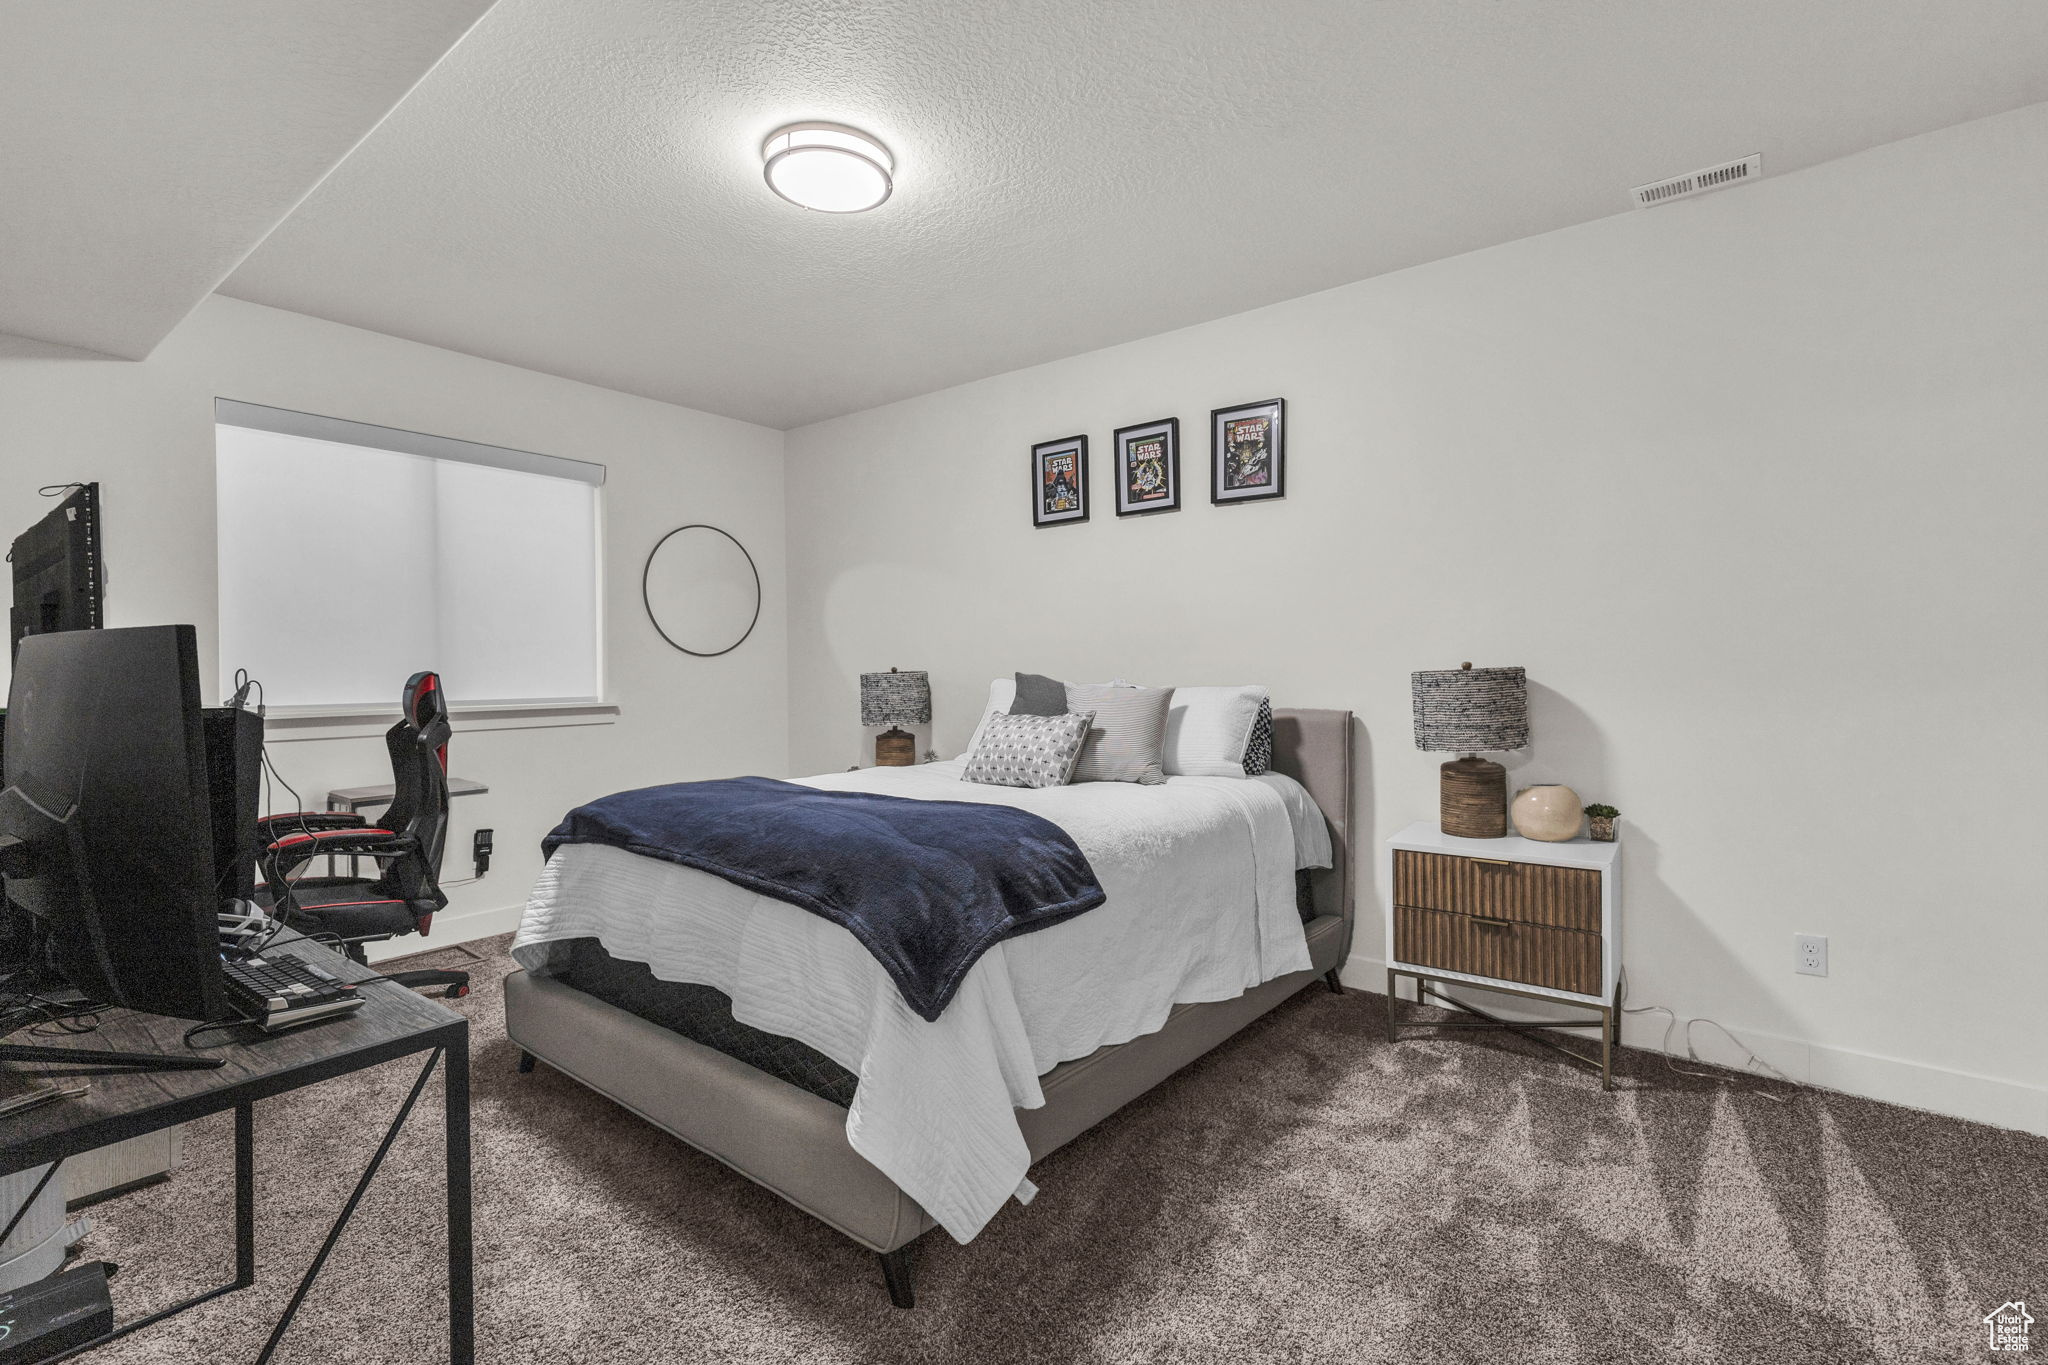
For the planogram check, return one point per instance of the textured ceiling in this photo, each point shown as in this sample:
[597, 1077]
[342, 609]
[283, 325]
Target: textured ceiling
[146, 147]
[577, 188]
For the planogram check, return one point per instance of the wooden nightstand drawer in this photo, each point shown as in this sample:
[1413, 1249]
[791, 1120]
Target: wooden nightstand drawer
[1530, 954]
[1530, 893]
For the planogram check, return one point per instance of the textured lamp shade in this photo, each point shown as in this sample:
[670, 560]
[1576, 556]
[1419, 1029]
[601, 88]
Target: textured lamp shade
[895, 699]
[1469, 710]
[1465, 710]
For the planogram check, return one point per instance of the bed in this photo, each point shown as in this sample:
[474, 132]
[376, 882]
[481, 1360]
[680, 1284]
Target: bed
[790, 1115]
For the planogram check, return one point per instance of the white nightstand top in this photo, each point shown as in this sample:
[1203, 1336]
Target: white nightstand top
[1425, 836]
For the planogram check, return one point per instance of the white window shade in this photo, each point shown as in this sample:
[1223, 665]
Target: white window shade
[347, 565]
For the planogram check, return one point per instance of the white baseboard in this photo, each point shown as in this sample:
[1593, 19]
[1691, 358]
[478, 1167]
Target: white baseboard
[1914, 1085]
[449, 930]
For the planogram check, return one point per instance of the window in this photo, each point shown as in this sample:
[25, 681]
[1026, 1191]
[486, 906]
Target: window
[354, 556]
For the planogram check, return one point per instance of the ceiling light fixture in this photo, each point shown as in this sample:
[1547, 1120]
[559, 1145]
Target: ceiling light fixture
[827, 167]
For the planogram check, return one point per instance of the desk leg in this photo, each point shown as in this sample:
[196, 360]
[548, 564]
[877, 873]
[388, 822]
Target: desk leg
[348, 1209]
[245, 1195]
[461, 1265]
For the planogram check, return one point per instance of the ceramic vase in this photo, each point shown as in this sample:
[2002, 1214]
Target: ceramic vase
[1550, 812]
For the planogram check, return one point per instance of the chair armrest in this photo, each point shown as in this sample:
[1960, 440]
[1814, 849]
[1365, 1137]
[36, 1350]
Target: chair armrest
[362, 842]
[271, 828]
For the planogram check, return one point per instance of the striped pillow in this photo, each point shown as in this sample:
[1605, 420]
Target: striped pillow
[1129, 732]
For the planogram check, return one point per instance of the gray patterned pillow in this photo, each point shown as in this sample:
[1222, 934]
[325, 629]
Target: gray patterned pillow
[1129, 736]
[1258, 749]
[1027, 751]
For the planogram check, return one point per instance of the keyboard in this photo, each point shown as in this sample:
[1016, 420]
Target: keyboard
[281, 992]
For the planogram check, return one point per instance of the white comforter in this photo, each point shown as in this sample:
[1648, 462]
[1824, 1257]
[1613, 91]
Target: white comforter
[1200, 881]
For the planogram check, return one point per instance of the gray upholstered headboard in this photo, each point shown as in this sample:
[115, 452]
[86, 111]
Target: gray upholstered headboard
[1314, 748]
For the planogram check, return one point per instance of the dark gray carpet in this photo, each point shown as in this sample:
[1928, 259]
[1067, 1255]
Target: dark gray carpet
[1307, 1193]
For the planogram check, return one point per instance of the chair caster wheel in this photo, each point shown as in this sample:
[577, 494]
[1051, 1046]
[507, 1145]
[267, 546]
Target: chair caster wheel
[455, 992]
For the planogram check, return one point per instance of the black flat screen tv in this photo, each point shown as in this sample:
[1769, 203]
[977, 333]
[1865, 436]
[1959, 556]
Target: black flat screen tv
[59, 581]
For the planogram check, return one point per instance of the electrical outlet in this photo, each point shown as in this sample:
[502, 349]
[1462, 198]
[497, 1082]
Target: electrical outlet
[480, 850]
[1810, 954]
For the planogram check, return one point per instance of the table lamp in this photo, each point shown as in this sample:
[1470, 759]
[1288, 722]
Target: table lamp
[895, 699]
[1466, 710]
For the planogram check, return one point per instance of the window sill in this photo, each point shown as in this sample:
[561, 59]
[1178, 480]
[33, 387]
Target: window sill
[285, 724]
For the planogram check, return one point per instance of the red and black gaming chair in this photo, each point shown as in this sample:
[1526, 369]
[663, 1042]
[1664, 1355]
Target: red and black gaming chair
[405, 846]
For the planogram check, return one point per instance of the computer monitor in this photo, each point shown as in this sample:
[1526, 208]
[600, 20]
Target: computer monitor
[107, 820]
[58, 580]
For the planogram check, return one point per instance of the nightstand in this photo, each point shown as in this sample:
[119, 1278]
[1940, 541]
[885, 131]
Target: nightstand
[1513, 915]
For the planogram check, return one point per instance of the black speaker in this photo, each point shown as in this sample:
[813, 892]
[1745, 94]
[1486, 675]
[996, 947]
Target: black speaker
[234, 778]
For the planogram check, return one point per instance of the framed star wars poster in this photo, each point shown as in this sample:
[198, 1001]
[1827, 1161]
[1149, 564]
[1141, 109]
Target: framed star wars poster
[1059, 481]
[1248, 452]
[1148, 468]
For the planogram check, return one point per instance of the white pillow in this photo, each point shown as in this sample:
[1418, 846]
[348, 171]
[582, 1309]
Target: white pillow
[1002, 694]
[1207, 729]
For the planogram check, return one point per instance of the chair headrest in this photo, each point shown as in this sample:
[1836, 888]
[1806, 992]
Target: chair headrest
[424, 702]
[422, 691]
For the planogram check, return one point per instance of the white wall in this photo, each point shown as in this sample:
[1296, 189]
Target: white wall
[1751, 484]
[146, 432]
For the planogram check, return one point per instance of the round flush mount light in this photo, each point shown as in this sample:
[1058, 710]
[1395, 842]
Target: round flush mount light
[828, 167]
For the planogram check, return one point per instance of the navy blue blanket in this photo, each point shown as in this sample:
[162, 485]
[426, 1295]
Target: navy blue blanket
[926, 886]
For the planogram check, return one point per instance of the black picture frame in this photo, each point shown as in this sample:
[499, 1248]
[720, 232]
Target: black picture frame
[1135, 445]
[1228, 452]
[1054, 463]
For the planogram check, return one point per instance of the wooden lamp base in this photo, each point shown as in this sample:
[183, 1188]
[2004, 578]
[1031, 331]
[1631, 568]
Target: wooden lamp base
[898, 749]
[1474, 801]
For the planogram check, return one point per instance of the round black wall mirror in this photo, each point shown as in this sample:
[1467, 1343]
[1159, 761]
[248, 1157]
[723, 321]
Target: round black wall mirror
[701, 590]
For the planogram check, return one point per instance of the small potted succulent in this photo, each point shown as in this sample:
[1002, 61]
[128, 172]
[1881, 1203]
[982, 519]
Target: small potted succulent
[1600, 820]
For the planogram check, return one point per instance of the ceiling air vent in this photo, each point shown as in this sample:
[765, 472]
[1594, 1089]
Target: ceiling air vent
[1699, 182]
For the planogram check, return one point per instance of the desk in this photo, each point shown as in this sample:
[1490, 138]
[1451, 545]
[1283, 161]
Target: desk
[353, 799]
[393, 1022]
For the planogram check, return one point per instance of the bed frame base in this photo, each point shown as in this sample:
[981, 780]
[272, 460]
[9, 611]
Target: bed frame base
[794, 1143]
